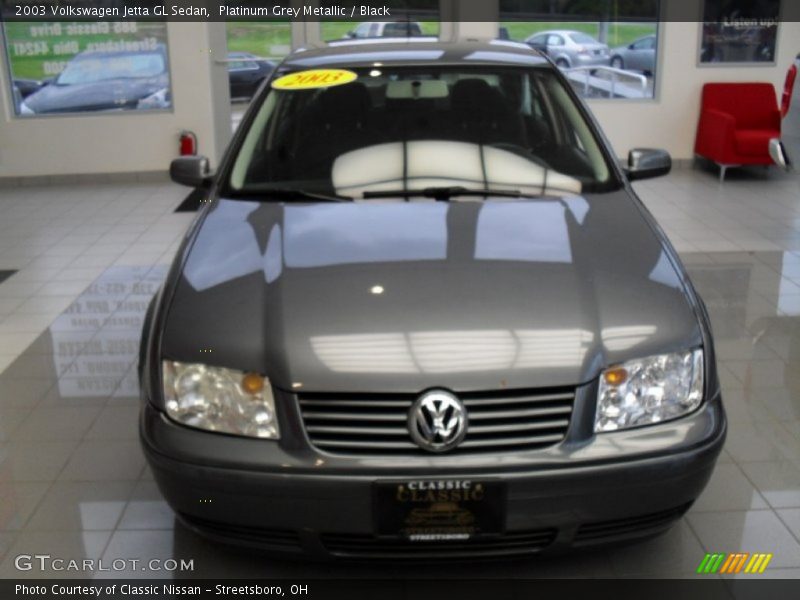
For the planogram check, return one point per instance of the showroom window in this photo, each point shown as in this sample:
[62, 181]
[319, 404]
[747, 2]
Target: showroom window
[606, 49]
[265, 39]
[254, 50]
[88, 67]
[410, 18]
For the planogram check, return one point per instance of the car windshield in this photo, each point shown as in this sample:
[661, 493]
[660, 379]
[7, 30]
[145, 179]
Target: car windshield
[422, 128]
[92, 69]
[582, 38]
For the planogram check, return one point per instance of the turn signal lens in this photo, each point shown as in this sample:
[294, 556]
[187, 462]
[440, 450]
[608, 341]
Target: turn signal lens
[615, 376]
[252, 383]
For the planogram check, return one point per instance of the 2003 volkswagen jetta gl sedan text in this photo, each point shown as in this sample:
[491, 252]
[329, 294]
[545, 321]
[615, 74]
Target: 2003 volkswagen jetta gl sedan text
[423, 314]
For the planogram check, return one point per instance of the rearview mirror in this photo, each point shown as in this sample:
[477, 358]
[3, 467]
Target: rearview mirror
[193, 171]
[778, 154]
[644, 163]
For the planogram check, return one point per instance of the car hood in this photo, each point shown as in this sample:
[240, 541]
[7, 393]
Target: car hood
[102, 95]
[402, 296]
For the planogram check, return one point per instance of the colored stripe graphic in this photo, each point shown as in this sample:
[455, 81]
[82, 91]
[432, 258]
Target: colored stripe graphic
[711, 563]
[737, 563]
[724, 563]
[728, 563]
[703, 564]
[758, 563]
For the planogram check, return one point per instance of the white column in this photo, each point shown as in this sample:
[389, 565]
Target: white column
[219, 89]
[475, 20]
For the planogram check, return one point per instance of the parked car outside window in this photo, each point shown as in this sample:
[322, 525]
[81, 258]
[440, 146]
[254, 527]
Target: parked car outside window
[639, 55]
[377, 29]
[246, 72]
[569, 49]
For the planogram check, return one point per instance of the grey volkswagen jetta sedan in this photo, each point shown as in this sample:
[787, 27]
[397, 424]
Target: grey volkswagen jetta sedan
[424, 315]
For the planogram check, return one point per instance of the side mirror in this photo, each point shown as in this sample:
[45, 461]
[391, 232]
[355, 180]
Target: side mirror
[193, 171]
[778, 154]
[644, 163]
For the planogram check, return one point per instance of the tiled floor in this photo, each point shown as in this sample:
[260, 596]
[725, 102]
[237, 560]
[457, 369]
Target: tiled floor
[73, 481]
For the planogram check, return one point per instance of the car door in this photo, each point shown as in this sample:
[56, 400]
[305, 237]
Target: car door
[555, 45]
[234, 78]
[642, 55]
[244, 77]
[538, 42]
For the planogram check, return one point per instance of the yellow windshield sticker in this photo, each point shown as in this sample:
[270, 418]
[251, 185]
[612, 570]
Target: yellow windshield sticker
[315, 78]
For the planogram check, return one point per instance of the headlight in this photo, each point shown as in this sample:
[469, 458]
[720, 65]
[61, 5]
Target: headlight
[218, 399]
[649, 390]
[159, 99]
[24, 109]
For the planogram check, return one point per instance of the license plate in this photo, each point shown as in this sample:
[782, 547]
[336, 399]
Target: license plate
[439, 509]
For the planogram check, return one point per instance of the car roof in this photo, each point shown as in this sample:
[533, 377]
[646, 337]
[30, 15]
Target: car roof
[415, 51]
[388, 22]
[561, 31]
[638, 39]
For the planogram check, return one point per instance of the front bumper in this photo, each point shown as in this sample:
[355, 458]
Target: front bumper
[292, 499]
[591, 60]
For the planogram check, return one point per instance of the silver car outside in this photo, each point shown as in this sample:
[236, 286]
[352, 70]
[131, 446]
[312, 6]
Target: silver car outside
[639, 55]
[569, 49]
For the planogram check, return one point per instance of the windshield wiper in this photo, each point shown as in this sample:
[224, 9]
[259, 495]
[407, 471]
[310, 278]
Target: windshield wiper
[443, 193]
[294, 194]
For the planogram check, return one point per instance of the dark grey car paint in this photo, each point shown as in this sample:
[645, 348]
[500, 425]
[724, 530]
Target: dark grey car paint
[477, 295]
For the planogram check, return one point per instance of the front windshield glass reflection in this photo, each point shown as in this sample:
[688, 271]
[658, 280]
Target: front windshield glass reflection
[408, 128]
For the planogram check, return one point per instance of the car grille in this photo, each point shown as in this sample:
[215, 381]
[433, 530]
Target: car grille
[376, 424]
[509, 544]
[631, 526]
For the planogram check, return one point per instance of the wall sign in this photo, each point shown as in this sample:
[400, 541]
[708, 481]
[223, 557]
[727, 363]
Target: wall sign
[739, 31]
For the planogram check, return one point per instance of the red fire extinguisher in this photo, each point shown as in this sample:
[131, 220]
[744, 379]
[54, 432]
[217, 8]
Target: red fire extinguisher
[188, 143]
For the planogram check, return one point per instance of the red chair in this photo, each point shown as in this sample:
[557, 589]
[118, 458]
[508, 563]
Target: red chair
[737, 121]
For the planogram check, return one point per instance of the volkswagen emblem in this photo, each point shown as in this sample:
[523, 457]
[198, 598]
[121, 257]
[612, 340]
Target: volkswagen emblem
[437, 421]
